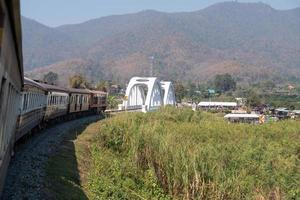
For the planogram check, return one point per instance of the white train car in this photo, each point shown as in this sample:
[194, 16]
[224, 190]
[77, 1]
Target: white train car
[57, 102]
[33, 107]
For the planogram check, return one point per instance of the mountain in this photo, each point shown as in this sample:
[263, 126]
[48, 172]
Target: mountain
[252, 41]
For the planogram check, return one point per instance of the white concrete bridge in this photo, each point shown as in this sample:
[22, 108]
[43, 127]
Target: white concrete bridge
[148, 94]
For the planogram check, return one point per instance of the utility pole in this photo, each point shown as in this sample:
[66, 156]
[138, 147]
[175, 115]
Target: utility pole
[151, 66]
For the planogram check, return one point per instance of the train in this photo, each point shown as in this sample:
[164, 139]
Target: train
[11, 79]
[42, 103]
[25, 104]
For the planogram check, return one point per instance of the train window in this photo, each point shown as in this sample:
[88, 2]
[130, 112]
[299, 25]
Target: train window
[23, 96]
[25, 102]
[34, 100]
[29, 100]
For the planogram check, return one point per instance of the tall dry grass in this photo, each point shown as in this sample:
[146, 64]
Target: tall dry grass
[197, 155]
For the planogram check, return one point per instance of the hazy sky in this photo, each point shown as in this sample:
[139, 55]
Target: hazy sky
[58, 12]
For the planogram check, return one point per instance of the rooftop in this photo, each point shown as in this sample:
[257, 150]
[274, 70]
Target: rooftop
[229, 104]
[241, 116]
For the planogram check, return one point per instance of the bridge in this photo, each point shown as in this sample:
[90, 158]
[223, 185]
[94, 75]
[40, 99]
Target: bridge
[147, 94]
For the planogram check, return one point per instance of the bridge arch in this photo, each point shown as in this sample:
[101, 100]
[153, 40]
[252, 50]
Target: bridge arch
[144, 93]
[169, 93]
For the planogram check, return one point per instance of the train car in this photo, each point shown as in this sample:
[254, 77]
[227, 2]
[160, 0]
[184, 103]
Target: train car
[57, 101]
[79, 100]
[11, 79]
[33, 107]
[98, 101]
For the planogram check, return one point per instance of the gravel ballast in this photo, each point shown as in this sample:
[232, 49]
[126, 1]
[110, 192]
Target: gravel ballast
[26, 173]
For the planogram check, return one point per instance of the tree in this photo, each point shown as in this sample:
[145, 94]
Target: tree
[103, 86]
[112, 102]
[268, 85]
[51, 78]
[224, 82]
[78, 81]
[179, 91]
[253, 99]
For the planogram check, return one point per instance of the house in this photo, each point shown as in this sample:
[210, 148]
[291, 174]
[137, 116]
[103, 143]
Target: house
[282, 113]
[217, 105]
[245, 118]
[295, 113]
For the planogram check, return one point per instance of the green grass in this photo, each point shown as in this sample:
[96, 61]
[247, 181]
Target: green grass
[179, 154]
[193, 155]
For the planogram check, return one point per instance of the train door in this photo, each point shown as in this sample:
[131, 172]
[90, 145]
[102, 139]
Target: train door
[76, 102]
[80, 102]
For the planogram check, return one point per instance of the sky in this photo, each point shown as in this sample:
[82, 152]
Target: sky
[59, 12]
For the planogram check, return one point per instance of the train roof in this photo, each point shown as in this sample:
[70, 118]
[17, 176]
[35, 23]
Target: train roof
[86, 91]
[54, 88]
[48, 87]
[28, 81]
[98, 92]
[82, 91]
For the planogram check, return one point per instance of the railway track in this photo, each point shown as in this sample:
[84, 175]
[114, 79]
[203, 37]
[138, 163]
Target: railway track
[25, 178]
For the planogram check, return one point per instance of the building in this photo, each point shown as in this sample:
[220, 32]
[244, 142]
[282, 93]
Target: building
[296, 112]
[282, 113]
[217, 105]
[244, 118]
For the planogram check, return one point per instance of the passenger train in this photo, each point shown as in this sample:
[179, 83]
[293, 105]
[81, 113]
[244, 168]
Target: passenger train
[26, 104]
[41, 103]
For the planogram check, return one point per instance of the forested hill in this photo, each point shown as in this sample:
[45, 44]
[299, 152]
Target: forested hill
[252, 41]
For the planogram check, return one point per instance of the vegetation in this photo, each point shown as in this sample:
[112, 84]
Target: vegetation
[103, 86]
[179, 91]
[51, 78]
[68, 167]
[113, 101]
[177, 154]
[79, 82]
[224, 82]
[253, 99]
[185, 154]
